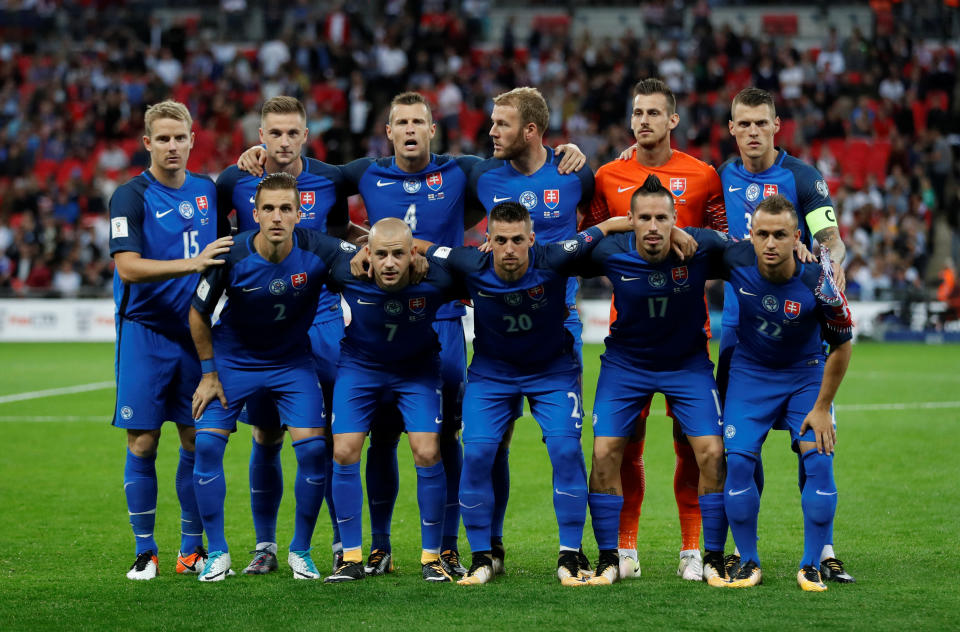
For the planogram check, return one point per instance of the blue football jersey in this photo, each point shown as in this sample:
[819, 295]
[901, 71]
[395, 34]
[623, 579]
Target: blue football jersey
[323, 203]
[660, 306]
[781, 324]
[158, 222]
[792, 178]
[431, 202]
[393, 330]
[519, 325]
[270, 306]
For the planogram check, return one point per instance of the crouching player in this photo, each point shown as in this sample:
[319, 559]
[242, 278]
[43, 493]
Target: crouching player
[272, 278]
[390, 351]
[778, 372]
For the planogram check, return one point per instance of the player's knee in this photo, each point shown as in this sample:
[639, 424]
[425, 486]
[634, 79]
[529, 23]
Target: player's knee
[267, 436]
[740, 468]
[565, 452]
[143, 443]
[345, 453]
[710, 458]
[478, 460]
[425, 453]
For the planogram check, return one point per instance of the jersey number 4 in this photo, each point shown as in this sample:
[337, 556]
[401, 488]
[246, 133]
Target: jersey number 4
[410, 217]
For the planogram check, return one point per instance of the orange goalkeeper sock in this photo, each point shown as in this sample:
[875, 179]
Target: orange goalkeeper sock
[634, 483]
[686, 478]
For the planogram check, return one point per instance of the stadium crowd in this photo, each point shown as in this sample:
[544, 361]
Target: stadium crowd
[874, 114]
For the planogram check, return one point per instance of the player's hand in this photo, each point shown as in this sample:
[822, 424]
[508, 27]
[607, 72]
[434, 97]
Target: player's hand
[209, 389]
[803, 253]
[360, 265]
[839, 275]
[419, 266]
[821, 422]
[682, 244]
[252, 160]
[208, 256]
[627, 153]
[485, 246]
[573, 159]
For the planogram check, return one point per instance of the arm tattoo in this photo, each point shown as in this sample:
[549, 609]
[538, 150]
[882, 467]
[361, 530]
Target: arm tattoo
[830, 237]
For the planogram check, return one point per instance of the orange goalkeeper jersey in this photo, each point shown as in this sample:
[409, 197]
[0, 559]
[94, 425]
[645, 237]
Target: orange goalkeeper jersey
[696, 188]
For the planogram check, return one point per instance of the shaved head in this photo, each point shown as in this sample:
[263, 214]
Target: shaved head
[390, 246]
[391, 229]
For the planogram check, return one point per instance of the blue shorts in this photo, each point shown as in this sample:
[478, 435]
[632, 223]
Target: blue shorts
[260, 409]
[359, 391]
[453, 369]
[758, 398]
[293, 390]
[490, 404]
[623, 391]
[156, 377]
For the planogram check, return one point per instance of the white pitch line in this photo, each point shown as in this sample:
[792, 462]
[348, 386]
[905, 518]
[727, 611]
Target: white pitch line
[42, 419]
[66, 390]
[897, 406]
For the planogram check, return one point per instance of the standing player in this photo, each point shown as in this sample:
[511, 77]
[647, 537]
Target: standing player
[698, 202]
[525, 171]
[323, 207]
[521, 349]
[273, 279]
[763, 170]
[161, 235]
[780, 373]
[657, 344]
[390, 352]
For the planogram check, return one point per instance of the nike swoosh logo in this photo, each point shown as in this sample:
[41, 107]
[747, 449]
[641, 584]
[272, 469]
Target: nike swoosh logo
[579, 424]
[500, 199]
[259, 491]
[253, 199]
[731, 189]
[746, 293]
[363, 302]
[557, 491]
[430, 524]
[378, 502]
[485, 295]
[252, 289]
[623, 278]
[820, 493]
[209, 480]
[339, 521]
[622, 189]
[438, 420]
[738, 492]
[381, 183]
[126, 485]
[166, 212]
[312, 482]
[469, 506]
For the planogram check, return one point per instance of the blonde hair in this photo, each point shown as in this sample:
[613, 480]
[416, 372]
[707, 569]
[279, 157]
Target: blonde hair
[168, 109]
[530, 104]
[283, 105]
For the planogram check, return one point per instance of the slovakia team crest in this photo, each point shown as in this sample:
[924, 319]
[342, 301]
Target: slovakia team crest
[417, 304]
[791, 308]
[435, 181]
[680, 275]
[298, 280]
[536, 293]
[678, 186]
[307, 200]
[769, 189]
[551, 198]
[202, 205]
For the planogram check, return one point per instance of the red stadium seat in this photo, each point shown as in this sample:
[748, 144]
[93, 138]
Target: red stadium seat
[919, 109]
[788, 135]
[779, 24]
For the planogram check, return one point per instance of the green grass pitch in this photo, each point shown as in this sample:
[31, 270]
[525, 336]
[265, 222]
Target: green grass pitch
[65, 544]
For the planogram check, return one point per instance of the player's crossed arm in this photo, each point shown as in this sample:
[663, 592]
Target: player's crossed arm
[133, 268]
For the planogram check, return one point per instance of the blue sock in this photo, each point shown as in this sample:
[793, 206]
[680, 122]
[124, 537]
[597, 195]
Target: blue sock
[383, 484]
[431, 496]
[819, 502]
[140, 487]
[605, 513]
[328, 492]
[569, 489]
[476, 493]
[741, 500]
[191, 526]
[714, 521]
[348, 498]
[501, 490]
[266, 489]
[451, 454]
[210, 486]
[308, 489]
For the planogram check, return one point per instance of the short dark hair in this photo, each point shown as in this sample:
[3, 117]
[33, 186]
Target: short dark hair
[509, 213]
[752, 97]
[652, 187]
[409, 98]
[652, 85]
[777, 204]
[283, 105]
[277, 182]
